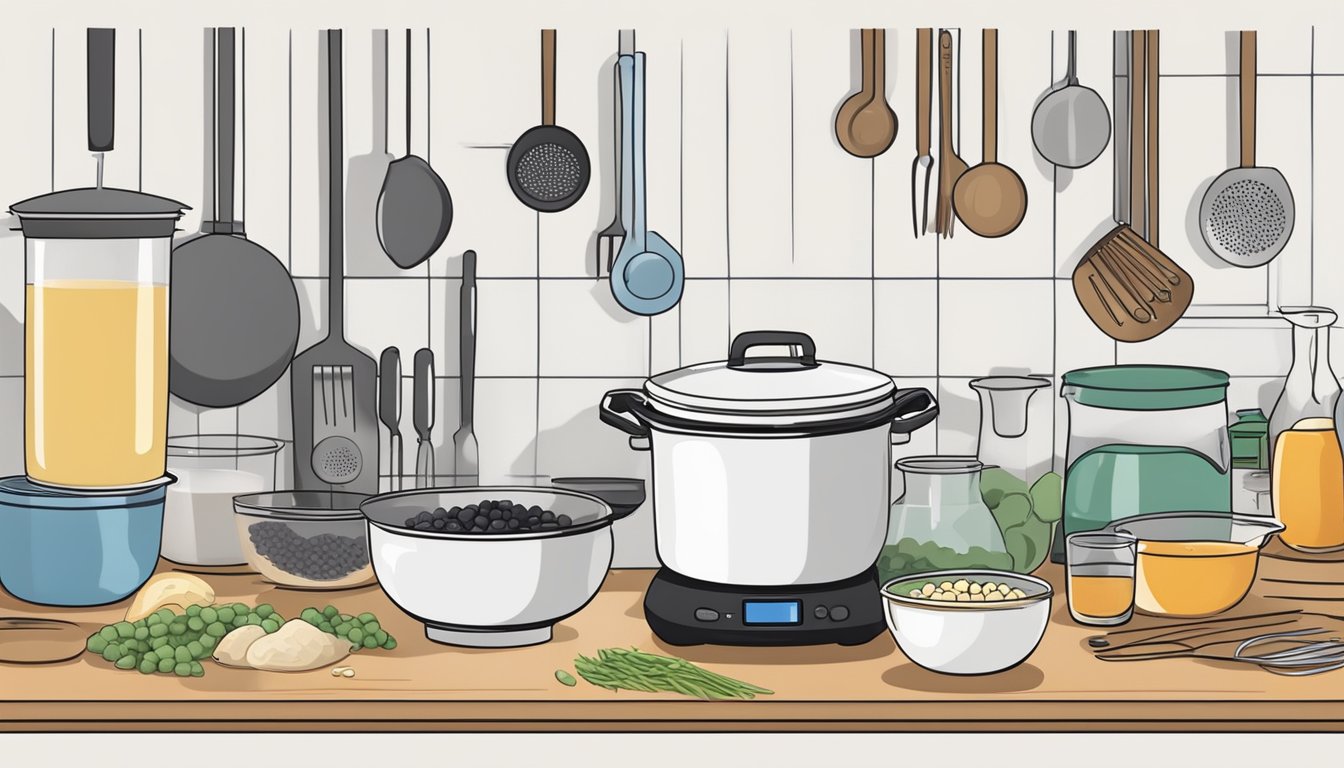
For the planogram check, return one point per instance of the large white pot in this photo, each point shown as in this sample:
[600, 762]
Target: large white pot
[770, 471]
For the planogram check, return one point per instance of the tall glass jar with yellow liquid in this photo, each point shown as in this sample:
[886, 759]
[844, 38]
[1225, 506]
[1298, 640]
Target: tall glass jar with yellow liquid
[96, 336]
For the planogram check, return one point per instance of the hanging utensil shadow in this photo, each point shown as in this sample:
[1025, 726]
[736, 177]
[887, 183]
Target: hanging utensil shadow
[11, 326]
[605, 169]
[855, 82]
[1060, 176]
[364, 255]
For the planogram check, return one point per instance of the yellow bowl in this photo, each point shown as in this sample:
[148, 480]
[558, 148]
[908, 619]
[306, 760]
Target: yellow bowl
[1192, 579]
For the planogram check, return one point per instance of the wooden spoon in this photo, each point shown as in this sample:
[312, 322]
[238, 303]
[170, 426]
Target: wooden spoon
[990, 199]
[952, 165]
[865, 124]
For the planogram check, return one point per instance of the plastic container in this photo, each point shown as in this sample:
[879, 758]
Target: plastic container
[78, 549]
[941, 523]
[305, 539]
[1142, 440]
[96, 325]
[198, 524]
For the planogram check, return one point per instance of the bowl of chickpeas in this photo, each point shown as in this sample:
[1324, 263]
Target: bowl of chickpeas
[967, 622]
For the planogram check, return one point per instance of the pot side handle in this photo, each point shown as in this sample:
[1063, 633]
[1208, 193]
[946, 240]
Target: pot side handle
[615, 410]
[915, 408]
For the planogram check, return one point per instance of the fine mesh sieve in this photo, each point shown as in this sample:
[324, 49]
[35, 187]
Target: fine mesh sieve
[548, 166]
[1246, 216]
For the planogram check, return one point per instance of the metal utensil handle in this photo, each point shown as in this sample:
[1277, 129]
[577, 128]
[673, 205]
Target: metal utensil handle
[102, 88]
[548, 77]
[1137, 169]
[1152, 101]
[989, 70]
[1071, 78]
[641, 226]
[423, 405]
[1120, 116]
[625, 72]
[335, 188]
[1247, 78]
[225, 53]
[923, 88]
[467, 341]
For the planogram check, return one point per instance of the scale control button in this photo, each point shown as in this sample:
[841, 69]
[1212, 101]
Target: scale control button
[839, 613]
[706, 614]
[820, 612]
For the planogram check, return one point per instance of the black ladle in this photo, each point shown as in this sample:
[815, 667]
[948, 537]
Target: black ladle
[415, 210]
[548, 166]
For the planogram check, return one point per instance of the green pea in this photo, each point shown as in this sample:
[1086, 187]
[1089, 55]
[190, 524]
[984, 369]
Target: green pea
[342, 630]
[209, 614]
[370, 641]
[142, 646]
[278, 619]
[390, 644]
[380, 637]
[239, 619]
[151, 656]
[264, 610]
[181, 654]
[139, 623]
[195, 649]
[112, 652]
[197, 670]
[225, 615]
[311, 615]
[366, 617]
[124, 629]
[166, 665]
[371, 626]
[157, 643]
[330, 612]
[127, 662]
[216, 629]
[141, 633]
[153, 619]
[182, 669]
[269, 626]
[177, 629]
[109, 633]
[96, 643]
[193, 610]
[158, 630]
[325, 627]
[195, 624]
[356, 635]
[207, 642]
[166, 615]
[148, 667]
[347, 618]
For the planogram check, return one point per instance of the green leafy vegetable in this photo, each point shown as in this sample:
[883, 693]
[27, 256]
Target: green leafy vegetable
[635, 670]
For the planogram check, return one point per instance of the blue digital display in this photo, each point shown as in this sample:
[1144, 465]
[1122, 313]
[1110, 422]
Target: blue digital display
[771, 611]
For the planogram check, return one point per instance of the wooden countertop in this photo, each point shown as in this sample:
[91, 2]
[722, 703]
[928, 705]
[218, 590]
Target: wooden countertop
[423, 686]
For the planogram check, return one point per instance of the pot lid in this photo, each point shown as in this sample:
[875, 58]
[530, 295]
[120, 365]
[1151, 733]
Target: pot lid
[791, 383]
[98, 212]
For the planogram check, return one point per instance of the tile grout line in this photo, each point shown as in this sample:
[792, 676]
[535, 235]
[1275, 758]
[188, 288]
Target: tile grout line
[681, 176]
[728, 179]
[1311, 185]
[1054, 292]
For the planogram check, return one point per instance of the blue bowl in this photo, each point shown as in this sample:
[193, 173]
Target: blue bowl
[65, 548]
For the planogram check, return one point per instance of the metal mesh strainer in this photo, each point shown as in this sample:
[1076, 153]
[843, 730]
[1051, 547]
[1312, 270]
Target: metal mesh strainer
[548, 165]
[549, 172]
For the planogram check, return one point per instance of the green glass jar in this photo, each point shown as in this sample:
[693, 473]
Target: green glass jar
[1144, 439]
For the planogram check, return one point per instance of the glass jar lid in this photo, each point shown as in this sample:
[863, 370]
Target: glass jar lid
[97, 213]
[20, 492]
[1145, 387]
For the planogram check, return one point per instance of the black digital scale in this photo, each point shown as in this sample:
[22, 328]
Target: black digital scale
[685, 611]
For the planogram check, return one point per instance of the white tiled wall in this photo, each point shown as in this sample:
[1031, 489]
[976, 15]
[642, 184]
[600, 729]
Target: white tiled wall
[778, 226]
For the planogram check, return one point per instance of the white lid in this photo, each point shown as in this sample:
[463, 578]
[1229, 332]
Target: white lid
[758, 385]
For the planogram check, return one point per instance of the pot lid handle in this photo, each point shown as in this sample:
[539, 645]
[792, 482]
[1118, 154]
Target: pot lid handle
[807, 358]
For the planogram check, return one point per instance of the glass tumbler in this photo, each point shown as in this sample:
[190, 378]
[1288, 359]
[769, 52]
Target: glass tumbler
[1101, 578]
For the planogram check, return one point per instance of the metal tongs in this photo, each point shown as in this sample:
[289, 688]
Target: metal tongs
[1310, 657]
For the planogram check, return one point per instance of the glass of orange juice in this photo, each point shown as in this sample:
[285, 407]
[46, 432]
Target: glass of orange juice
[1101, 577]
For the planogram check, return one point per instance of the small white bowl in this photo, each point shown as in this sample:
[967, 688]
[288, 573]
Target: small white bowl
[967, 638]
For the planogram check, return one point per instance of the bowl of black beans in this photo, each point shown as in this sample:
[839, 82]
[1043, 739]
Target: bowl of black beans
[532, 557]
[305, 539]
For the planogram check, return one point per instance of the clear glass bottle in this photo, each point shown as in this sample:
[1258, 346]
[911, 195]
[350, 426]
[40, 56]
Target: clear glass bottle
[941, 522]
[1311, 388]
